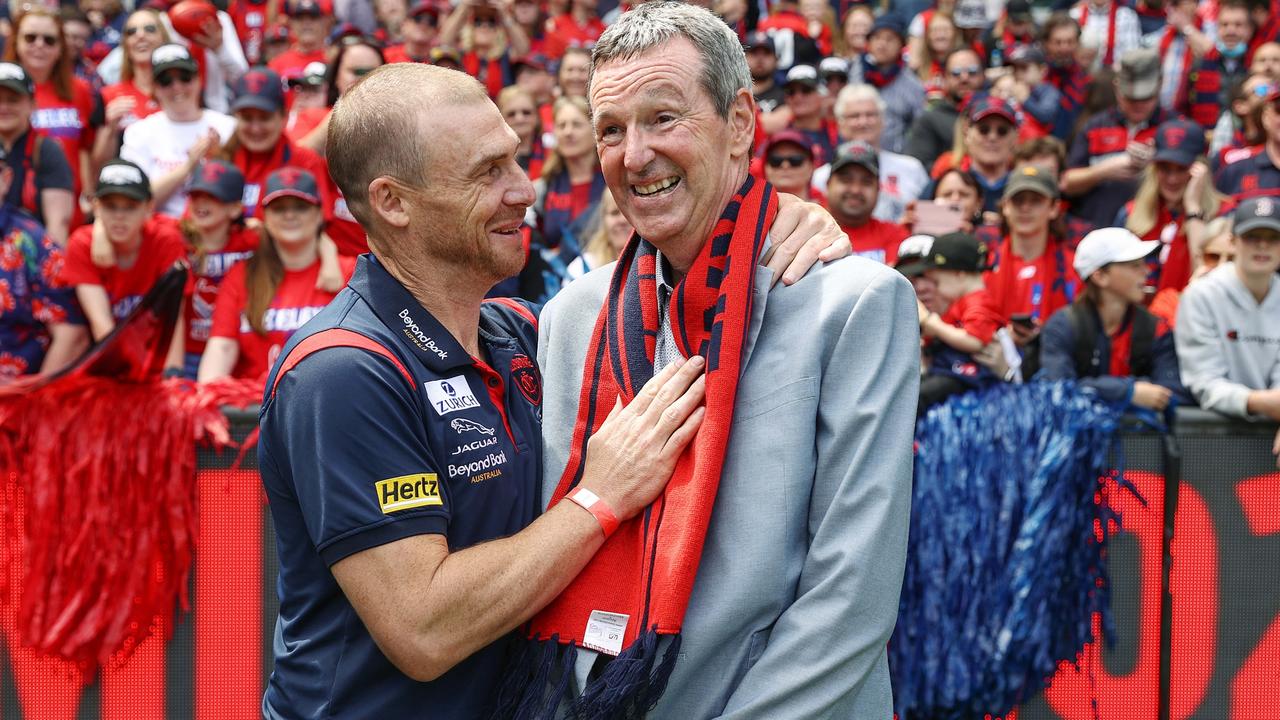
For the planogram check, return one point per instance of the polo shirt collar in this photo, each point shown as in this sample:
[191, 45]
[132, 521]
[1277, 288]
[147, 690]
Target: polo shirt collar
[417, 330]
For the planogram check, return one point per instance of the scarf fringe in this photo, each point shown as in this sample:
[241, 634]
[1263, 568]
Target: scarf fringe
[523, 693]
[630, 685]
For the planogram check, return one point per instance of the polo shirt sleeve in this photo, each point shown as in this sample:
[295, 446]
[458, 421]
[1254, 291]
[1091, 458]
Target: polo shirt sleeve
[345, 432]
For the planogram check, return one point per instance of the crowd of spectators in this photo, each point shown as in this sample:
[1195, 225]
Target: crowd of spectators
[1083, 190]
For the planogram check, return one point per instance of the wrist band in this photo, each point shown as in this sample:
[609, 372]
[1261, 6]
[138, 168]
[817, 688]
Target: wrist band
[598, 508]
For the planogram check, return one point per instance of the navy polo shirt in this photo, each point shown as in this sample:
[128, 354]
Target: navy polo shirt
[1249, 177]
[354, 457]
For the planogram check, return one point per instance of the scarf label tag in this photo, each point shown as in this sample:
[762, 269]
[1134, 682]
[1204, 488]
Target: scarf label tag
[605, 631]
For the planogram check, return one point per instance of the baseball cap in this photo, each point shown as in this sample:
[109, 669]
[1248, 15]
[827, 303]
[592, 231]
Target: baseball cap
[121, 177]
[444, 54]
[794, 137]
[856, 152]
[833, 66]
[957, 251]
[803, 75]
[344, 30]
[276, 33]
[1179, 142]
[991, 106]
[171, 57]
[12, 76]
[890, 21]
[312, 75]
[1026, 55]
[291, 182]
[260, 89]
[1109, 245]
[912, 253]
[533, 61]
[758, 39]
[220, 179]
[971, 14]
[309, 8]
[1033, 179]
[1139, 74]
[1019, 10]
[1254, 213]
[424, 7]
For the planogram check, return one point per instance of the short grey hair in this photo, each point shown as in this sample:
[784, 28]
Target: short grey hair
[724, 64]
[850, 94]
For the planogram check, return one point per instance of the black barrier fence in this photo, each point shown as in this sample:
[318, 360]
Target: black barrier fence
[1223, 640]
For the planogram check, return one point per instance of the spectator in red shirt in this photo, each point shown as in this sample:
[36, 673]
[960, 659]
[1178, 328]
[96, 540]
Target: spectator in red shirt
[145, 246]
[63, 103]
[131, 99]
[809, 112]
[309, 22]
[788, 164]
[275, 42]
[489, 37]
[419, 34]
[580, 27]
[356, 57]
[42, 179]
[264, 299]
[852, 193]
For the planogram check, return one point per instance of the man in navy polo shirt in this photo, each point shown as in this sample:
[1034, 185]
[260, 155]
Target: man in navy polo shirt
[400, 441]
[1258, 171]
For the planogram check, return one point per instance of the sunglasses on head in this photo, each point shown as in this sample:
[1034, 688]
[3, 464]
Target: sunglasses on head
[31, 38]
[169, 78]
[778, 161]
[969, 70]
[149, 28]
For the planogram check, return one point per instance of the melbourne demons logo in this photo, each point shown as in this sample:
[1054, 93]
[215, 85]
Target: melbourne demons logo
[1174, 136]
[255, 81]
[525, 375]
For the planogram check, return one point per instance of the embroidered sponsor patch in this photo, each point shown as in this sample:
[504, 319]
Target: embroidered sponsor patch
[450, 395]
[408, 491]
[525, 375]
[461, 425]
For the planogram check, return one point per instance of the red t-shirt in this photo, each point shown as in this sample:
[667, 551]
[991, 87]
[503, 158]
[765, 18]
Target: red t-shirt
[977, 314]
[204, 290]
[1036, 287]
[563, 32]
[290, 63]
[398, 54]
[302, 122]
[144, 104]
[877, 240]
[250, 19]
[296, 301]
[162, 246]
[67, 122]
[257, 166]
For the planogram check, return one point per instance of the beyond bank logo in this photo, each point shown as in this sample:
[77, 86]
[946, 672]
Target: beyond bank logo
[420, 338]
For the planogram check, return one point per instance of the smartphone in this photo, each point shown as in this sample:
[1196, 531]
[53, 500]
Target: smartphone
[933, 218]
[1024, 320]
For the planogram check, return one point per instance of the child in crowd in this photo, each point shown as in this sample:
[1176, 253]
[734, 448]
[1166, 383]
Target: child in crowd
[955, 264]
[1106, 339]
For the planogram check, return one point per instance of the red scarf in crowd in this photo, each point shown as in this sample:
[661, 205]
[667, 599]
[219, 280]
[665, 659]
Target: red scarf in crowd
[1109, 52]
[647, 568]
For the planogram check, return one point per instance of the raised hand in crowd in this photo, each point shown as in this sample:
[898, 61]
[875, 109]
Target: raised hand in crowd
[210, 35]
[119, 109]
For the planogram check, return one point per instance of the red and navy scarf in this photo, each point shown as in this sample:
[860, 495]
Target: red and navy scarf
[877, 75]
[646, 570]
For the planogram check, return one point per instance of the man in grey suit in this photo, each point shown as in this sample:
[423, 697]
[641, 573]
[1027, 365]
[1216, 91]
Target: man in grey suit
[797, 589]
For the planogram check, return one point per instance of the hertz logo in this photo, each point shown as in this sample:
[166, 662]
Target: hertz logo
[408, 491]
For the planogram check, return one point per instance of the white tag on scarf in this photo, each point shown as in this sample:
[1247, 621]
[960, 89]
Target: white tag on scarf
[605, 631]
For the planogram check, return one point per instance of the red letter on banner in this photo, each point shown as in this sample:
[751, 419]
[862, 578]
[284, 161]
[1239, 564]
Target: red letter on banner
[1253, 691]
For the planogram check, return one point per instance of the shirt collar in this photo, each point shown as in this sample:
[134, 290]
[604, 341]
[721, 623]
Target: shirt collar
[416, 329]
[661, 269]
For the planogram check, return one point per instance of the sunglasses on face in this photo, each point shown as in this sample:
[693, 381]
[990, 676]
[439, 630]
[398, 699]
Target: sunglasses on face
[798, 90]
[149, 29]
[997, 130]
[48, 40]
[169, 78]
[423, 19]
[969, 71]
[779, 161]
[362, 71]
[487, 22]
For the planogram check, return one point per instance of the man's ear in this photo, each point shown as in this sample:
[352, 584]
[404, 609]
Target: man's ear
[386, 201]
[742, 123]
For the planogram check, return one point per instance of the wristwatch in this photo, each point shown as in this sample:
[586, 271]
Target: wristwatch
[1195, 216]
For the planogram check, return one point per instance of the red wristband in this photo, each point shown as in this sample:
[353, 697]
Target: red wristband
[598, 508]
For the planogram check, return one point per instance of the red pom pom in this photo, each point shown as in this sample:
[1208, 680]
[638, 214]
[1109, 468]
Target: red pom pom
[188, 16]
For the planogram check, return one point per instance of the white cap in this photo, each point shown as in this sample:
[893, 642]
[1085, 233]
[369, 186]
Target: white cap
[1110, 245]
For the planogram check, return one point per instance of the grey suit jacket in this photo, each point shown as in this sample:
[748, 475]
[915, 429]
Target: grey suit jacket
[797, 591]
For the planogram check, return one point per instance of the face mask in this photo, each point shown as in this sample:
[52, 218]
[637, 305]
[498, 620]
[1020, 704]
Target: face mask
[1231, 53]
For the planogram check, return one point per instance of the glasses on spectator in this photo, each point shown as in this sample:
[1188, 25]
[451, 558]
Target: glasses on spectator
[798, 90]
[1262, 90]
[424, 19]
[149, 28]
[969, 70]
[48, 40]
[778, 161]
[991, 128]
[169, 78]
[349, 40]
[486, 22]
[362, 71]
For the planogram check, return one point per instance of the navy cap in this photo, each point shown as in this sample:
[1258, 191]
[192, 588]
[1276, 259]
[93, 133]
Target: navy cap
[890, 21]
[1254, 213]
[309, 8]
[991, 106]
[220, 179]
[12, 76]
[1179, 142]
[1019, 10]
[260, 89]
[121, 177]
[171, 57]
[759, 39]
[1026, 55]
[424, 7]
[291, 182]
